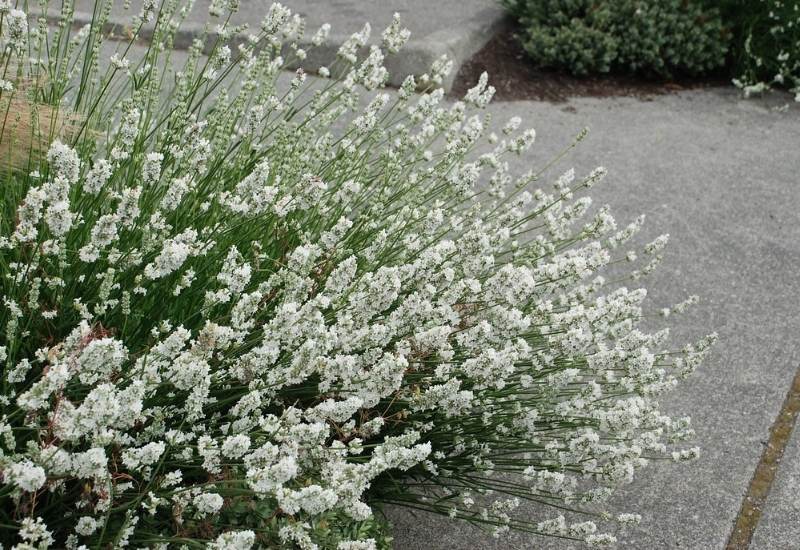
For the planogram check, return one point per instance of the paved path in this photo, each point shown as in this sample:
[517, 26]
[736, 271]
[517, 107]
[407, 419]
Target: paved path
[458, 28]
[722, 176]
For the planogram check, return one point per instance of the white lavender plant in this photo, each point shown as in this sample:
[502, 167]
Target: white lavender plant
[244, 314]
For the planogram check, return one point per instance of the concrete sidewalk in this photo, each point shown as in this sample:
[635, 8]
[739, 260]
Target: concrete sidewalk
[457, 28]
[721, 175]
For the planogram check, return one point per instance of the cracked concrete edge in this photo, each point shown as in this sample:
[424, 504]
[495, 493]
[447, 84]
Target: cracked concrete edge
[767, 469]
[415, 58]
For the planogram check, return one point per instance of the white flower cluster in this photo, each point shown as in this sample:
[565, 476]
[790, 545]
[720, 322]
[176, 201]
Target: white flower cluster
[267, 308]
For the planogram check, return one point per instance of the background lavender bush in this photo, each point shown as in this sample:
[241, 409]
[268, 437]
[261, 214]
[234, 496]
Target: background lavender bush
[242, 307]
[756, 42]
[661, 37]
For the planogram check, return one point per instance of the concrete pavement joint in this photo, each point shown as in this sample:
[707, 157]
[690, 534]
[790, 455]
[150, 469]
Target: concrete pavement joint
[764, 475]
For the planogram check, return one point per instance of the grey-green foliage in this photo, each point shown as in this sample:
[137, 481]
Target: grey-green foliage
[599, 36]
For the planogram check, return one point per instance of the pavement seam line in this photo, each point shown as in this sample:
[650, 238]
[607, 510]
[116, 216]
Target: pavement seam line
[764, 475]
